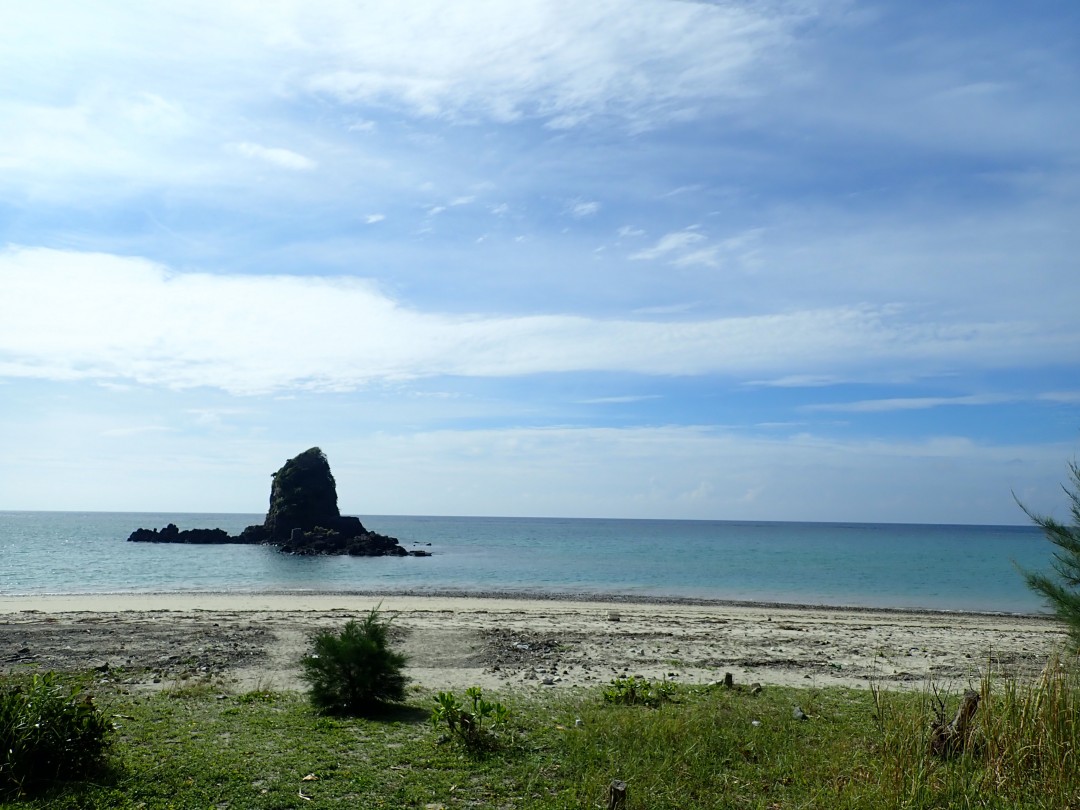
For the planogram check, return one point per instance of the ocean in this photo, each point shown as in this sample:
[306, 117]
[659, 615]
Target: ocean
[950, 568]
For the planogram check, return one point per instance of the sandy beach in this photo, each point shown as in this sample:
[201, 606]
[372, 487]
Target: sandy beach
[250, 641]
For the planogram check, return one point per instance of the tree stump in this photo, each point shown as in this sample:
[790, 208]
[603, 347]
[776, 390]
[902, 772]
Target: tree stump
[949, 739]
[616, 798]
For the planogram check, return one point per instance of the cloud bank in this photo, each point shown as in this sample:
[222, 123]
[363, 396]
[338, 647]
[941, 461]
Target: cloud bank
[74, 315]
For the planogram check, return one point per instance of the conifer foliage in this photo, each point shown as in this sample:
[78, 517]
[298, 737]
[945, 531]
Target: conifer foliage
[354, 672]
[1062, 590]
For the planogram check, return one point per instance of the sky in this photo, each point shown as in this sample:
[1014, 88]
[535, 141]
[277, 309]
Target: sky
[769, 260]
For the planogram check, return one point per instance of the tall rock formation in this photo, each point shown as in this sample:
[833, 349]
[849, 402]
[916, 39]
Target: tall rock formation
[303, 518]
[303, 495]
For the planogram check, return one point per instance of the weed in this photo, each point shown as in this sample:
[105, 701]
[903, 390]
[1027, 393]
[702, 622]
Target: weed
[474, 724]
[49, 731]
[633, 691]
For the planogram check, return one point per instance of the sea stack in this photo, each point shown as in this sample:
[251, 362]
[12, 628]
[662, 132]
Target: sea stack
[303, 496]
[303, 518]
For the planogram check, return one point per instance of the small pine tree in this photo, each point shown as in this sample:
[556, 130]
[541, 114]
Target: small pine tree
[1062, 591]
[354, 672]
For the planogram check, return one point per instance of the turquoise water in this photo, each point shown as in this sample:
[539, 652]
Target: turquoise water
[869, 565]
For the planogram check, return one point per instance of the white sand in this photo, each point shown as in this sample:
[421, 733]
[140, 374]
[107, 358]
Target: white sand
[535, 643]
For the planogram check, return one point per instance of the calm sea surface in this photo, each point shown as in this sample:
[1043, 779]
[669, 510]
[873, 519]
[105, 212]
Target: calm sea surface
[872, 565]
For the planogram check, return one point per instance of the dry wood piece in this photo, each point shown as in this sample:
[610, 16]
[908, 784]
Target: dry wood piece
[616, 798]
[950, 739]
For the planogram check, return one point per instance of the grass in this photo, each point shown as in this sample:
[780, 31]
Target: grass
[197, 746]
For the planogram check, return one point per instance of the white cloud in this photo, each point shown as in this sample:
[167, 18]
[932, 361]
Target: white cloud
[627, 232]
[797, 381]
[285, 158]
[371, 219]
[75, 315]
[910, 403]
[557, 61]
[465, 200]
[622, 400]
[670, 243]
[1064, 397]
[583, 208]
[688, 247]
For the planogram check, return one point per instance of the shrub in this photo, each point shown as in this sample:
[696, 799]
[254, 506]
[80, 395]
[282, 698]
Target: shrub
[49, 731]
[354, 671]
[473, 725]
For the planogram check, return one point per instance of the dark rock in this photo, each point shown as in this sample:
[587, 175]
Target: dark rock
[303, 518]
[171, 534]
[303, 495]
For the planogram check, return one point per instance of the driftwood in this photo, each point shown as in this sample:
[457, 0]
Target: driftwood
[616, 797]
[949, 739]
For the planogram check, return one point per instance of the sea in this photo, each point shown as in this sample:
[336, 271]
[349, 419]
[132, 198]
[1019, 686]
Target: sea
[902, 566]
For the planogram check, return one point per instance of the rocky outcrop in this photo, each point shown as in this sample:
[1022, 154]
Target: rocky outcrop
[171, 534]
[303, 518]
[303, 495]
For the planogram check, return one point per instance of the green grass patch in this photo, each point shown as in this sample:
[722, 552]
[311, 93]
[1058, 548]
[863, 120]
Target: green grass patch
[705, 747]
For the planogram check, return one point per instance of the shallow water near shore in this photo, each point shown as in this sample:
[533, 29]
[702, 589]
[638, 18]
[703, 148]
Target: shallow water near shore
[953, 568]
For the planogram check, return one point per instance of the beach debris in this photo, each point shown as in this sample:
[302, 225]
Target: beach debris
[521, 645]
[755, 723]
[798, 713]
[729, 680]
[755, 689]
[310, 778]
[617, 795]
[947, 739]
[614, 616]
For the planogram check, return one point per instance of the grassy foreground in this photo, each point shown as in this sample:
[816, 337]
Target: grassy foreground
[196, 746]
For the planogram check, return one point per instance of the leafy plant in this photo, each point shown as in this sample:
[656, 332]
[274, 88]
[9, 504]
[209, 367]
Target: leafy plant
[49, 731]
[631, 691]
[475, 724]
[355, 671]
[1063, 590]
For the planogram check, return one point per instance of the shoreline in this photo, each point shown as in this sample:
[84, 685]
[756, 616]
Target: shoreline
[113, 601]
[245, 641]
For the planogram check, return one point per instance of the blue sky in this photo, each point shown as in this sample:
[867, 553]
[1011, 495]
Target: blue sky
[786, 260]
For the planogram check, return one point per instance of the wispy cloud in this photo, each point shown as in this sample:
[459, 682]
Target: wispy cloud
[671, 243]
[1064, 397]
[622, 400]
[284, 158]
[581, 209]
[691, 246]
[910, 403]
[371, 219]
[560, 64]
